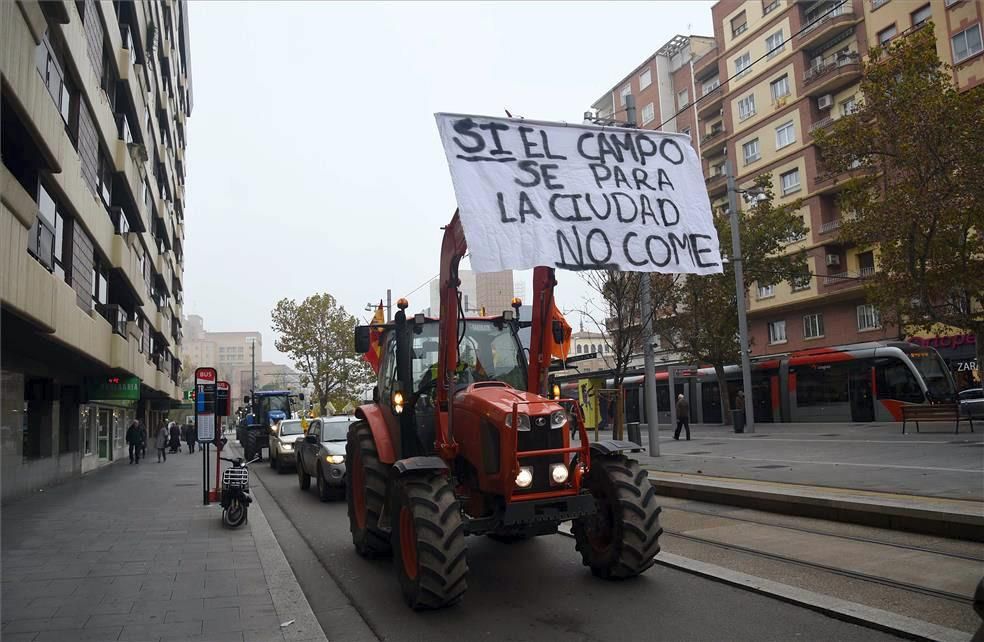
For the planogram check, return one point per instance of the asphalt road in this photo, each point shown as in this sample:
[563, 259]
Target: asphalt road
[534, 590]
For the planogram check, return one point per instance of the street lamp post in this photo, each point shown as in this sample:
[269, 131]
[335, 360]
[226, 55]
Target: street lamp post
[746, 366]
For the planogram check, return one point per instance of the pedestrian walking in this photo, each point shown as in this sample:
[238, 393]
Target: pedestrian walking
[133, 440]
[144, 438]
[175, 437]
[683, 416]
[190, 437]
[162, 437]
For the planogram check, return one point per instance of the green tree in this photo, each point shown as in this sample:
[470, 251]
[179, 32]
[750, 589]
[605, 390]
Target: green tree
[699, 320]
[318, 336]
[913, 154]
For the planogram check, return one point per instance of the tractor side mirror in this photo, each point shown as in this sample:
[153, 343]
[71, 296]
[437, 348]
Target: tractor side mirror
[558, 332]
[375, 394]
[362, 339]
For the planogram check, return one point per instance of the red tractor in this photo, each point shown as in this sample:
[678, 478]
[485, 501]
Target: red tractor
[462, 439]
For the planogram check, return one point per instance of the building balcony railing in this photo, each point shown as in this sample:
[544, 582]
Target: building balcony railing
[715, 182]
[822, 123]
[831, 73]
[713, 134]
[709, 105]
[848, 276]
[703, 64]
[816, 30]
[865, 272]
[830, 226]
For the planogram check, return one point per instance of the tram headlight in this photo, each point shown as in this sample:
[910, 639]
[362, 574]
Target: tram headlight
[559, 473]
[525, 477]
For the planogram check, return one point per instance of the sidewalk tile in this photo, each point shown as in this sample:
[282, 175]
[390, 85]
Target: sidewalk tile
[46, 624]
[101, 634]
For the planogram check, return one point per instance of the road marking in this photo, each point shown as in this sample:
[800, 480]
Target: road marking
[833, 463]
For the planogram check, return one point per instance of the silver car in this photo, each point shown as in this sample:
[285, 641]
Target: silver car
[283, 437]
[972, 402]
[321, 454]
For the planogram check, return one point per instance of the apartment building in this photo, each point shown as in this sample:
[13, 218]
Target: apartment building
[779, 71]
[230, 353]
[95, 97]
[663, 88]
[491, 291]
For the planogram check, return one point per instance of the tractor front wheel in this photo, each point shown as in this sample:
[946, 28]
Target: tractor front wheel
[365, 492]
[428, 541]
[621, 539]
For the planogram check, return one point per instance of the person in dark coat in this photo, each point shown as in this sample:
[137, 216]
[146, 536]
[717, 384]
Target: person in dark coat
[190, 437]
[683, 416]
[175, 440]
[134, 439]
[143, 438]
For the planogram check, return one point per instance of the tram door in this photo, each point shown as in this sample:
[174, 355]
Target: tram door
[862, 399]
[710, 402]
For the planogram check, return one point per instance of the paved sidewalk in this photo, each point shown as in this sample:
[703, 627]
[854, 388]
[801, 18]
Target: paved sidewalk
[870, 457]
[130, 553]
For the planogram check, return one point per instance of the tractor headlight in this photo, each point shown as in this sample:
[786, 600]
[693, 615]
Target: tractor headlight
[524, 422]
[525, 477]
[335, 459]
[558, 473]
[398, 402]
[558, 419]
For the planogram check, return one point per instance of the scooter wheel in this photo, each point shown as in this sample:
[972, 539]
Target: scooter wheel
[234, 516]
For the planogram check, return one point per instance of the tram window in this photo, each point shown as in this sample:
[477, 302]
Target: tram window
[895, 381]
[821, 385]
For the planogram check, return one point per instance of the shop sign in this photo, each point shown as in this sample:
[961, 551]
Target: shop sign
[953, 341]
[112, 388]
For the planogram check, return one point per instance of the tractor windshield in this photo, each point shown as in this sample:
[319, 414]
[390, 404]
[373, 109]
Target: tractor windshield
[276, 403]
[490, 352]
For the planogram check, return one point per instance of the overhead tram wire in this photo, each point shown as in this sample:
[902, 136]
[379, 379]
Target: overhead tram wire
[407, 295]
[753, 63]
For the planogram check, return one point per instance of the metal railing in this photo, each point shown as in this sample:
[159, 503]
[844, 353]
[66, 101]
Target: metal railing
[830, 64]
[820, 124]
[830, 226]
[841, 10]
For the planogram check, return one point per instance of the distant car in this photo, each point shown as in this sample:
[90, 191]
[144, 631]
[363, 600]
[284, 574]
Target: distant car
[972, 402]
[321, 454]
[283, 437]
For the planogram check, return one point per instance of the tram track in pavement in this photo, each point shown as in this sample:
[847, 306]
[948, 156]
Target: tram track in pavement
[827, 533]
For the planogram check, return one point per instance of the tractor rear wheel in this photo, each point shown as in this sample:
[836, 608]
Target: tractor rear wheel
[428, 541]
[365, 492]
[250, 446]
[621, 539]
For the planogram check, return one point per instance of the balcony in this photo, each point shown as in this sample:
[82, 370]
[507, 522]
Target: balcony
[829, 226]
[822, 124]
[116, 316]
[826, 26]
[710, 104]
[714, 142]
[705, 63]
[716, 183]
[832, 73]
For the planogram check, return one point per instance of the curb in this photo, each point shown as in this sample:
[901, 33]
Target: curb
[852, 612]
[929, 516]
[289, 600]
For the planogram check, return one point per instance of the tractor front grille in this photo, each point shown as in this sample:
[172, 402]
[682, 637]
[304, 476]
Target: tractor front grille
[540, 437]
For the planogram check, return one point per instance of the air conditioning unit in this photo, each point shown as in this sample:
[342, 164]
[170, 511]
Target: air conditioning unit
[825, 102]
[833, 259]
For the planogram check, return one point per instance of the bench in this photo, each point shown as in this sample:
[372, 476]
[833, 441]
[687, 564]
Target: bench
[935, 412]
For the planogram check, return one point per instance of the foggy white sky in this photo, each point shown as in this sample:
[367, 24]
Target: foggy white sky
[314, 164]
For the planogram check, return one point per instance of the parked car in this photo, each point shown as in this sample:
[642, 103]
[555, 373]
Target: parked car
[321, 454]
[972, 402]
[283, 437]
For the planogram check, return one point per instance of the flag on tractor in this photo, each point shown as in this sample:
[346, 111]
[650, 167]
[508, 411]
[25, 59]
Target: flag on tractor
[373, 355]
[562, 349]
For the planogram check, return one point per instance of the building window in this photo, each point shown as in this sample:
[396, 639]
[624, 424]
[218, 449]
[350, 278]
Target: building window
[645, 79]
[790, 181]
[683, 99]
[578, 348]
[742, 63]
[779, 87]
[777, 332]
[622, 95]
[966, 43]
[746, 107]
[868, 317]
[877, 3]
[922, 15]
[785, 136]
[800, 283]
[709, 86]
[766, 291]
[866, 263]
[53, 77]
[750, 150]
[848, 107]
[813, 326]
[768, 6]
[774, 44]
[648, 114]
[885, 35]
[739, 24]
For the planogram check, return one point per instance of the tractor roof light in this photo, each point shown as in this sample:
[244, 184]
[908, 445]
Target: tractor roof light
[402, 303]
[517, 302]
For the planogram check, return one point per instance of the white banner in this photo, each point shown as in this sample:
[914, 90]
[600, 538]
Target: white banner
[578, 197]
